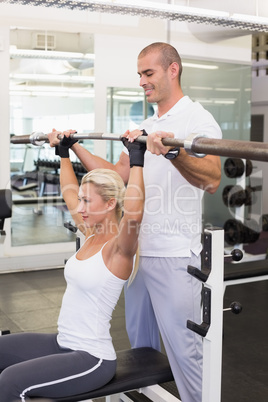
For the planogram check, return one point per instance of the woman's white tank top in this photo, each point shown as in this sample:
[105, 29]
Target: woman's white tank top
[88, 303]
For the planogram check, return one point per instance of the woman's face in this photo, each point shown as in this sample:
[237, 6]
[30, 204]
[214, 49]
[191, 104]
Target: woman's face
[92, 207]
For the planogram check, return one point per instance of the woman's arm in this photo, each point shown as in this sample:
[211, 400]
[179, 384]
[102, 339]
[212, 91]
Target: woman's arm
[127, 241]
[90, 161]
[69, 189]
[68, 181]
[133, 212]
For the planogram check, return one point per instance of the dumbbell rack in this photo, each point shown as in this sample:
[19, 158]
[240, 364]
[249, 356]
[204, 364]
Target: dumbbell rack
[211, 328]
[240, 211]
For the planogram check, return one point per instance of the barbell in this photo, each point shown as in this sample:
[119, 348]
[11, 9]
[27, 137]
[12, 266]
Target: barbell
[195, 144]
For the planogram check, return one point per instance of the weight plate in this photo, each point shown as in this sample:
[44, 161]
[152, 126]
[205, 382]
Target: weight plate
[251, 231]
[249, 167]
[233, 232]
[233, 196]
[234, 167]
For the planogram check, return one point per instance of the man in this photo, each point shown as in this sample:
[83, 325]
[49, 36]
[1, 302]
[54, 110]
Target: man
[163, 295]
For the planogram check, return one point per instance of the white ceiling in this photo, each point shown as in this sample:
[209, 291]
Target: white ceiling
[29, 73]
[250, 15]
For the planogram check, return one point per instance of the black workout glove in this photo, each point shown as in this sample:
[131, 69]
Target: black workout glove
[136, 151]
[63, 148]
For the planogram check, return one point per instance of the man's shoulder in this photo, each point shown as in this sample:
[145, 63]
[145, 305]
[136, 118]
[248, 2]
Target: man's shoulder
[186, 108]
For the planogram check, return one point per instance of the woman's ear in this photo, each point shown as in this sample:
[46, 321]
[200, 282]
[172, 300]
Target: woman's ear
[111, 204]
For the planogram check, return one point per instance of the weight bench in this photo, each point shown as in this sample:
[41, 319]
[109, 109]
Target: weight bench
[5, 210]
[25, 187]
[136, 369]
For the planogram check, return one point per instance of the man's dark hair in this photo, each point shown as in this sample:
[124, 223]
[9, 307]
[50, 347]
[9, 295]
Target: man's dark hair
[168, 55]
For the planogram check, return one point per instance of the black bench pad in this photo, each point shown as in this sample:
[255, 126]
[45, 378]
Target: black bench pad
[5, 204]
[246, 269]
[136, 368]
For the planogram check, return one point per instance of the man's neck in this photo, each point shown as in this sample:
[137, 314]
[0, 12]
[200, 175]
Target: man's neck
[166, 106]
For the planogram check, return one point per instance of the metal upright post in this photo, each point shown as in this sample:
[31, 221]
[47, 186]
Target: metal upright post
[212, 343]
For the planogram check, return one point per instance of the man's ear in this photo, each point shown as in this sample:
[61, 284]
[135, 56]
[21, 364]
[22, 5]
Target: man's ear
[174, 69]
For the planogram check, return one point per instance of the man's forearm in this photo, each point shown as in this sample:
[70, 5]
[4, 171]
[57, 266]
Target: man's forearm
[200, 172]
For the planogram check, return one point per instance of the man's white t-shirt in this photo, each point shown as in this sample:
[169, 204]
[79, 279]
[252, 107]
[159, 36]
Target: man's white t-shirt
[172, 221]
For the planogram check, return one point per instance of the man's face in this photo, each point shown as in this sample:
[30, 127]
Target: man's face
[153, 78]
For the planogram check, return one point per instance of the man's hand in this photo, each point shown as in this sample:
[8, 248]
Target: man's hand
[155, 145]
[55, 136]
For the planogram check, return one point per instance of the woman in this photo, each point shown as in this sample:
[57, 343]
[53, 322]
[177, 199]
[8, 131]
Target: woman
[81, 356]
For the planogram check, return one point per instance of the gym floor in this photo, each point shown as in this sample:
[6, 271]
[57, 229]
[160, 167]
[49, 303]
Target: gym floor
[30, 301]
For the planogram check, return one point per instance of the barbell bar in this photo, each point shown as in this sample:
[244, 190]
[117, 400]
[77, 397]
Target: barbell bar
[195, 144]
[39, 200]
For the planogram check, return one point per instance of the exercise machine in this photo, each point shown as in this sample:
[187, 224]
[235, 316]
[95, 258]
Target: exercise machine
[144, 369]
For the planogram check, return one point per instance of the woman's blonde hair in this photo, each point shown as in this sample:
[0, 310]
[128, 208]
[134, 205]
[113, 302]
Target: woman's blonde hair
[109, 184]
[135, 268]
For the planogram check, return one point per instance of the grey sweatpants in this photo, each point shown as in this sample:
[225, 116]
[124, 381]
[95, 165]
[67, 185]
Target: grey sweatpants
[35, 365]
[162, 297]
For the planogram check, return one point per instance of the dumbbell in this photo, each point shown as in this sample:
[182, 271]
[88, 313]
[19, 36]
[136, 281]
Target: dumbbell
[236, 232]
[235, 167]
[236, 196]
